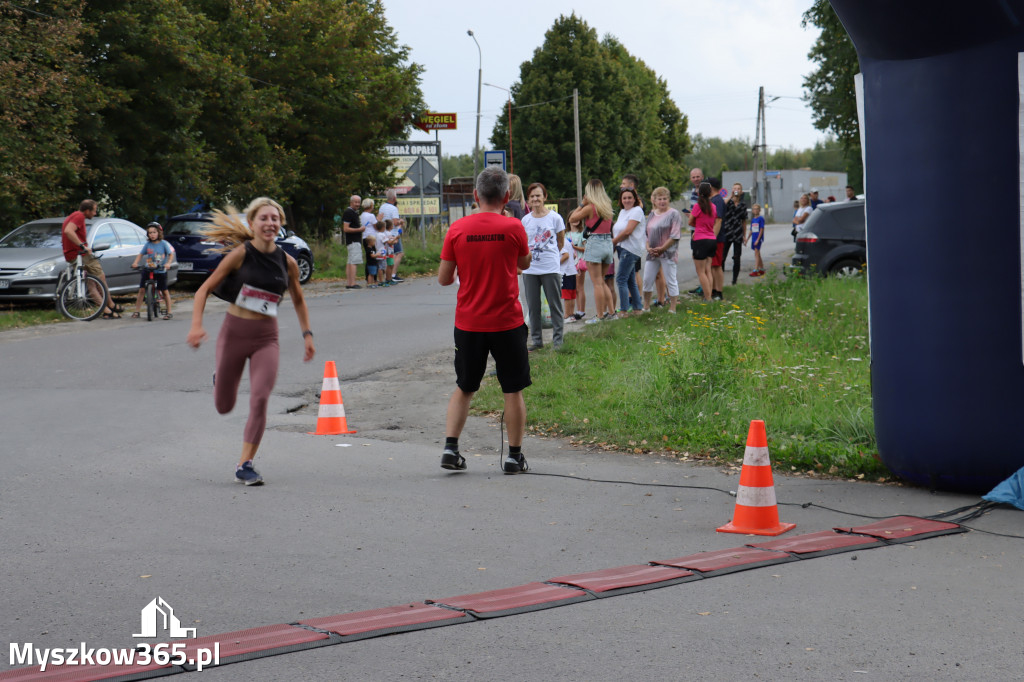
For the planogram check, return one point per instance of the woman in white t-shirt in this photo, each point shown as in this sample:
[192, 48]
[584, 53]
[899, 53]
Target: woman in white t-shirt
[545, 234]
[630, 240]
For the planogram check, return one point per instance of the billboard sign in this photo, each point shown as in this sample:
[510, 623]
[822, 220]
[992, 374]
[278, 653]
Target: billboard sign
[414, 206]
[416, 167]
[430, 121]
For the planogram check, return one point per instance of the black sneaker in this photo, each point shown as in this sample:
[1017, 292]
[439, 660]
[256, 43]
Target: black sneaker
[515, 464]
[716, 295]
[396, 278]
[452, 460]
[533, 347]
[699, 291]
[247, 475]
[353, 286]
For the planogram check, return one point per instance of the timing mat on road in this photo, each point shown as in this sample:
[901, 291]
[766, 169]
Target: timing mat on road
[273, 640]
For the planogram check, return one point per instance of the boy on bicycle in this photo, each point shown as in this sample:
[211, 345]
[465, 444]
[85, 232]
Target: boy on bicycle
[158, 256]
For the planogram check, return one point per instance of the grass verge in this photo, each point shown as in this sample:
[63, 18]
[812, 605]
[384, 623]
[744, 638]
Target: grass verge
[330, 258]
[20, 315]
[793, 352]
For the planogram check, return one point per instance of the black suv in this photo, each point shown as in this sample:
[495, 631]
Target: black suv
[832, 241]
[197, 257]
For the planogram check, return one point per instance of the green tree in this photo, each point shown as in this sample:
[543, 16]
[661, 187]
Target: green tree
[351, 89]
[712, 154]
[830, 89]
[628, 123]
[457, 166]
[147, 67]
[41, 72]
[152, 106]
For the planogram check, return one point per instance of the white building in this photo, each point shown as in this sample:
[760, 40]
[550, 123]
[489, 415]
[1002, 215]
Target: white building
[784, 187]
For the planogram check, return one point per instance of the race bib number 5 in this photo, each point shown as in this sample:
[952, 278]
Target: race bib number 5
[258, 300]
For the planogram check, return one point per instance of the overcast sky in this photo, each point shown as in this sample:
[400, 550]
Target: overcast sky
[713, 55]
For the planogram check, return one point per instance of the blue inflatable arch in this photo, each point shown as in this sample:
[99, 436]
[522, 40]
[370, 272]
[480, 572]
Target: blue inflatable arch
[942, 126]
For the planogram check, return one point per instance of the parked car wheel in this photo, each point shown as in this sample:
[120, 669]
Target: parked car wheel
[847, 267]
[305, 267]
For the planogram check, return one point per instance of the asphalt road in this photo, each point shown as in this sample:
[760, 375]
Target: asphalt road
[117, 488]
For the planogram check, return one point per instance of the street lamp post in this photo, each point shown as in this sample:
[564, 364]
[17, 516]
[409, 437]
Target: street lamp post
[479, 83]
[511, 159]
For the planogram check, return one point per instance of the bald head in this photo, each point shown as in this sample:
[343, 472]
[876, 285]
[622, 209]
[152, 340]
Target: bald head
[696, 177]
[354, 201]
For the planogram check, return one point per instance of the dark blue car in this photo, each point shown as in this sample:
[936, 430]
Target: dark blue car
[198, 257]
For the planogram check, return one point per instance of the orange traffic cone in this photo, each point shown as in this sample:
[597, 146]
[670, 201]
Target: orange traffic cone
[756, 510]
[330, 421]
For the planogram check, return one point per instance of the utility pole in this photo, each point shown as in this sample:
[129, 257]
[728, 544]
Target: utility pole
[761, 193]
[479, 85]
[760, 151]
[576, 129]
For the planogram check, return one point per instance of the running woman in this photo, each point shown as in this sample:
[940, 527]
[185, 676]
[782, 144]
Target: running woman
[252, 277]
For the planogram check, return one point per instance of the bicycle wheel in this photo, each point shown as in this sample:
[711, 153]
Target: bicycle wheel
[152, 310]
[74, 301]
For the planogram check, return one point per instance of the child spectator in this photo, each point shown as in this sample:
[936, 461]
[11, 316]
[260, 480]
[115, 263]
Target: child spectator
[390, 240]
[158, 255]
[575, 236]
[382, 255]
[756, 239]
[567, 258]
[370, 250]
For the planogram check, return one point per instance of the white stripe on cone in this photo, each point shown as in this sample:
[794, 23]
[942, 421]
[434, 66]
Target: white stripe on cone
[331, 384]
[755, 497]
[331, 410]
[757, 457]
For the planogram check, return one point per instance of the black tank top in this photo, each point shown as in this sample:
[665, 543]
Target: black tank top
[267, 271]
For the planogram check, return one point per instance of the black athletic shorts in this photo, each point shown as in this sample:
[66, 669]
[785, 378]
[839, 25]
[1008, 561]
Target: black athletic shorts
[161, 280]
[704, 248]
[511, 359]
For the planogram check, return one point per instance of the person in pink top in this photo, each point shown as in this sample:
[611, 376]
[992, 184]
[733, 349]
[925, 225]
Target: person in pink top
[706, 222]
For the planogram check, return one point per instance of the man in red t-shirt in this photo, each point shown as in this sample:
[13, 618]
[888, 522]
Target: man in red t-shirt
[74, 240]
[487, 250]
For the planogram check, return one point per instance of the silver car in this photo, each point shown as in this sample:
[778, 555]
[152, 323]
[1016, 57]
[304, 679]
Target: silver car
[31, 257]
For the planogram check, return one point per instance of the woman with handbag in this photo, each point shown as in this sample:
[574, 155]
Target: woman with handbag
[596, 214]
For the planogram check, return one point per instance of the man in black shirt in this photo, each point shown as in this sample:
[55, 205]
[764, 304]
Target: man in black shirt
[353, 231]
[734, 228]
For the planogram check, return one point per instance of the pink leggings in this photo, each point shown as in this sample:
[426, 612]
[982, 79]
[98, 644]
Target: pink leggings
[255, 340]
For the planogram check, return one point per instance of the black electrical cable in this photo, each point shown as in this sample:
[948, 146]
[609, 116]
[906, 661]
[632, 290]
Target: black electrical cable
[954, 512]
[652, 485]
[979, 508]
[992, 532]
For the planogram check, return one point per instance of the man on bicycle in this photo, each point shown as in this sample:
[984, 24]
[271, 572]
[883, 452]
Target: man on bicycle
[74, 241]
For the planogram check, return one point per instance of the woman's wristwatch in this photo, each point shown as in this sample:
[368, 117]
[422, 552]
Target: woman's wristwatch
[308, 333]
